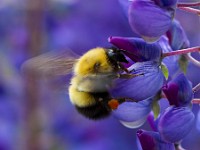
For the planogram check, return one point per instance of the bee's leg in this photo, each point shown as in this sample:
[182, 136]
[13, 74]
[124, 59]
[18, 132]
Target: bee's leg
[126, 99]
[105, 102]
[129, 76]
[123, 68]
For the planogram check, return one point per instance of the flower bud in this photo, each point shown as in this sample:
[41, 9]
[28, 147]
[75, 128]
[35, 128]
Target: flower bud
[179, 91]
[175, 123]
[149, 20]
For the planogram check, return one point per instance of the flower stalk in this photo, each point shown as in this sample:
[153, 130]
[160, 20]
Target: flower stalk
[188, 4]
[190, 10]
[196, 101]
[196, 88]
[193, 60]
[178, 146]
[182, 51]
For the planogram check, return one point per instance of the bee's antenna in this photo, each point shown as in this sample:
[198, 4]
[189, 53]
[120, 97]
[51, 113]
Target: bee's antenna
[123, 50]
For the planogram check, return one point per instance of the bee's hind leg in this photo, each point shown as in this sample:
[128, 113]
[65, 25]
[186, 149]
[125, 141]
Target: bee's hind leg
[115, 102]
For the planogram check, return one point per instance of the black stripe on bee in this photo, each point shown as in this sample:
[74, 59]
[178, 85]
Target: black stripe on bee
[98, 110]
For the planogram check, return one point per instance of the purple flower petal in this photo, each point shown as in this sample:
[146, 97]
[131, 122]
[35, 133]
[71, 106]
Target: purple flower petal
[163, 103]
[179, 91]
[134, 124]
[131, 111]
[175, 123]
[153, 123]
[177, 37]
[151, 141]
[149, 20]
[198, 121]
[140, 87]
[137, 49]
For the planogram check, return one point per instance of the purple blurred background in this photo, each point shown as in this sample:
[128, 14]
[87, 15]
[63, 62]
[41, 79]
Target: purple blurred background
[34, 114]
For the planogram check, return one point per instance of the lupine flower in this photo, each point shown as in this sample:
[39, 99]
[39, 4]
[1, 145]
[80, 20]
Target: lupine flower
[177, 120]
[142, 88]
[179, 91]
[150, 140]
[137, 49]
[151, 19]
[175, 123]
[147, 58]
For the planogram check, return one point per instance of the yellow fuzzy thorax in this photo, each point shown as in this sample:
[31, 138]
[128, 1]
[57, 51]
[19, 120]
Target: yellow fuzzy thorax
[94, 61]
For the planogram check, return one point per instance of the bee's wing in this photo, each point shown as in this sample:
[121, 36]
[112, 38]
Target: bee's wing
[50, 64]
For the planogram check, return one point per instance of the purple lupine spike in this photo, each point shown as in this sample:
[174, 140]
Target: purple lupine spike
[149, 20]
[177, 36]
[150, 140]
[175, 123]
[137, 49]
[141, 87]
[179, 91]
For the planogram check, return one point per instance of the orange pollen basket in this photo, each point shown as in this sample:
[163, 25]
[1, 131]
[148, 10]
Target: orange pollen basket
[113, 104]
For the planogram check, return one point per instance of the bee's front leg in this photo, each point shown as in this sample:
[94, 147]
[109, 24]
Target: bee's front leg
[128, 76]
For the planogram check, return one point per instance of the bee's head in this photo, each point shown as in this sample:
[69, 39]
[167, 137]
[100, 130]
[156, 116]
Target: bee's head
[116, 55]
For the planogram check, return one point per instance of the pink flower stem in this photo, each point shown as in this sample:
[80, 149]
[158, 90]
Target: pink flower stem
[196, 101]
[193, 60]
[182, 51]
[196, 88]
[178, 147]
[188, 4]
[190, 10]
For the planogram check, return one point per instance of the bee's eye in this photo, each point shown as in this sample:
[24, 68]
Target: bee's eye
[110, 52]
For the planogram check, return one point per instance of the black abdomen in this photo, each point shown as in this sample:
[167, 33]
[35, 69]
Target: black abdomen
[98, 110]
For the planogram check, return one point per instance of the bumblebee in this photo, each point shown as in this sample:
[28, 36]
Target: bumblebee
[93, 75]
